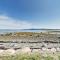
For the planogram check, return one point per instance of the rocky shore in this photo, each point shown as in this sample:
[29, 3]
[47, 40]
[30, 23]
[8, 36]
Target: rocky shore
[33, 40]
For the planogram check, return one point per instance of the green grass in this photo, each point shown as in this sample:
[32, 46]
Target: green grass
[48, 58]
[59, 57]
[32, 56]
[21, 57]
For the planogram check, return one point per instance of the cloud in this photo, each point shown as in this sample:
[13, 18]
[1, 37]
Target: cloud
[10, 23]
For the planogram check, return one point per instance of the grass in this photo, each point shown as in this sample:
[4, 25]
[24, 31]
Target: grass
[49, 58]
[26, 56]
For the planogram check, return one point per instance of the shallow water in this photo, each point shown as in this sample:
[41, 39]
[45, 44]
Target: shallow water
[19, 30]
[27, 30]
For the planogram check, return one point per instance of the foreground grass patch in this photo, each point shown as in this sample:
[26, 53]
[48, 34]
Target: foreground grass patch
[48, 58]
[26, 56]
[34, 56]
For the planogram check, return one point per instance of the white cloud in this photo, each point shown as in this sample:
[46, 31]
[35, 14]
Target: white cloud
[10, 23]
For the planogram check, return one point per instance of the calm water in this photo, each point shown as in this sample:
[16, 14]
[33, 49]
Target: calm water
[18, 30]
[25, 30]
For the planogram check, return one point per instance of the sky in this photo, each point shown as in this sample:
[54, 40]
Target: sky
[26, 14]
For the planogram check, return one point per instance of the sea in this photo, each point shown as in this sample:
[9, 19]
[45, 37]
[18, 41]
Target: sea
[26, 30]
[2, 31]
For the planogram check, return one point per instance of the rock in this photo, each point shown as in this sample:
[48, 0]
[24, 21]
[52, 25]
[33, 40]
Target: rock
[26, 50]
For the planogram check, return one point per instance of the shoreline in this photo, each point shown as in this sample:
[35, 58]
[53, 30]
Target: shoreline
[29, 39]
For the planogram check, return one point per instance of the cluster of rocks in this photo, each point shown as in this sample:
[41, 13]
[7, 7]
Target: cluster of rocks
[28, 50]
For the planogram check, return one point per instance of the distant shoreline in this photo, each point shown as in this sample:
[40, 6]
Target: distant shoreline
[28, 30]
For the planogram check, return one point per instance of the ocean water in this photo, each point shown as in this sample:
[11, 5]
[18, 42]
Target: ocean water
[19, 30]
[26, 30]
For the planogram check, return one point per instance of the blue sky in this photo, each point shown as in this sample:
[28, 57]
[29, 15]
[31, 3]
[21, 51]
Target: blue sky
[21, 14]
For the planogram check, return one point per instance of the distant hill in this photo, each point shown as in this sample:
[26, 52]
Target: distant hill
[43, 29]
